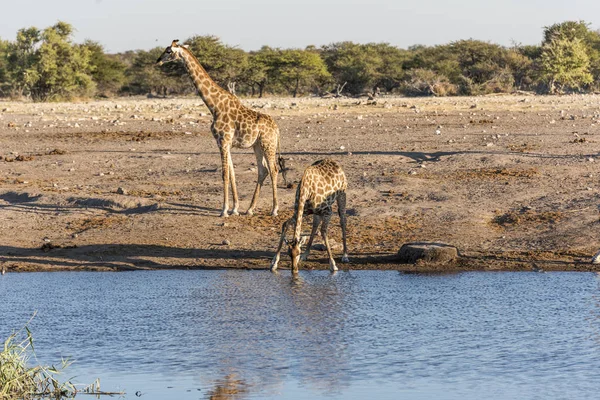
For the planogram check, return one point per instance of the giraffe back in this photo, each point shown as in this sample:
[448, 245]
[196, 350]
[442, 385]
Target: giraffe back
[320, 185]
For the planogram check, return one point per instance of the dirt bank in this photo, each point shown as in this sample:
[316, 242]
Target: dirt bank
[512, 181]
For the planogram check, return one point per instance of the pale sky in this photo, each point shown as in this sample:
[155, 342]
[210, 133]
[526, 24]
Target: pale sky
[122, 25]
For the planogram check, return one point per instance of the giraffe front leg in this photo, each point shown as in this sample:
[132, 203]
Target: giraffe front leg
[315, 226]
[225, 171]
[273, 172]
[324, 225]
[275, 261]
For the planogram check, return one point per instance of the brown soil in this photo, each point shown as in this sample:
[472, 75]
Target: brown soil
[133, 184]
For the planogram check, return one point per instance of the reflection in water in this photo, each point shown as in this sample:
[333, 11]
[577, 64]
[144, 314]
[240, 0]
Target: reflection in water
[357, 334]
[288, 326]
[231, 387]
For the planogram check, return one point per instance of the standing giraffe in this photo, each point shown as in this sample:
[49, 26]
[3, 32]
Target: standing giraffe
[234, 125]
[321, 185]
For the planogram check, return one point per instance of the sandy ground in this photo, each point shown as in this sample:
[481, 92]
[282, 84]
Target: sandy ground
[134, 184]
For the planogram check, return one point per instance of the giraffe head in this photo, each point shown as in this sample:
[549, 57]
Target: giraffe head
[294, 250]
[171, 53]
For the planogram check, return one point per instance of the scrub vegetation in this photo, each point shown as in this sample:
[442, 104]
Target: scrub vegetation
[46, 65]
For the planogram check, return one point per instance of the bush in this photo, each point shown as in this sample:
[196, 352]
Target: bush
[425, 82]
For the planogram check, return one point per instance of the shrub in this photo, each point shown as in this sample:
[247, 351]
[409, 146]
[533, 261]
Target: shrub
[425, 82]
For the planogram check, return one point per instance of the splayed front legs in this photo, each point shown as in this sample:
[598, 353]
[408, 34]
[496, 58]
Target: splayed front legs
[275, 261]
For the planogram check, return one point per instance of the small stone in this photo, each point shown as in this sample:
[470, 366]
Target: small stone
[226, 242]
[123, 191]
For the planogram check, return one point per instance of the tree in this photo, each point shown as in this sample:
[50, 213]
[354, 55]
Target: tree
[21, 56]
[48, 66]
[565, 64]
[354, 64]
[226, 65]
[4, 67]
[299, 70]
[145, 77]
[107, 71]
[259, 69]
[389, 72]
[590, 39]
[62, 69]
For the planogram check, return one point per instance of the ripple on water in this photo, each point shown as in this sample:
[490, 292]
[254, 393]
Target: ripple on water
[374, 333]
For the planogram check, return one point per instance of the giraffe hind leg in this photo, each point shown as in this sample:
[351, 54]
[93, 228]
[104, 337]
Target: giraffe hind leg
[324, 226]
[271, 158]
[236, 202]
[262, 175]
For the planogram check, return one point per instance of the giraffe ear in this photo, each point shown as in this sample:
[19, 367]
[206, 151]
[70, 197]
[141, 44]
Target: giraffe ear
[187, 46]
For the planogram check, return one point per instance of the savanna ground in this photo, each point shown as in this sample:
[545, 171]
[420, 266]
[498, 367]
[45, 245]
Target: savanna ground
[135, 184]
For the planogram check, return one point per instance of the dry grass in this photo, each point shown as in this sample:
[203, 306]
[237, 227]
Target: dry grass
[514, 218]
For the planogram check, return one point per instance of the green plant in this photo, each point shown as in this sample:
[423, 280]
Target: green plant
[19, 380]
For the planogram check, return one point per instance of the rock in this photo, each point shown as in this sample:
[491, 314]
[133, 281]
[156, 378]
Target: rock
[226, 242]
[121, 190]
[427, 251]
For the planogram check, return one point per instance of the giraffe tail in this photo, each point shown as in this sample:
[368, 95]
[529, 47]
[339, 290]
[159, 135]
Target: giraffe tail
[281, 162]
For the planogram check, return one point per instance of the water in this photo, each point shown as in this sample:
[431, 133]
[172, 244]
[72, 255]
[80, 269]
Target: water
[352, 335]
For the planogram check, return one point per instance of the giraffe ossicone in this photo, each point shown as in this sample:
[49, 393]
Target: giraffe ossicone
[234, 125]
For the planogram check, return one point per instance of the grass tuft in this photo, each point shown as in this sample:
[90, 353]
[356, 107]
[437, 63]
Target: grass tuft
[19, 380]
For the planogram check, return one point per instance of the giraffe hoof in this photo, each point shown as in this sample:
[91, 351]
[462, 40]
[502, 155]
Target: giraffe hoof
[274, 213]
[333, 267]
[345, 259]
[303, 257]
[235, 212]
[224, 214]
[250, 212]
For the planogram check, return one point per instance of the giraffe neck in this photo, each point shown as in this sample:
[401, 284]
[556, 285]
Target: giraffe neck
[301, 197]
[208, 89]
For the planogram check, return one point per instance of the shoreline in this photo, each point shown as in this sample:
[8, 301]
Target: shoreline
[511, 181]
